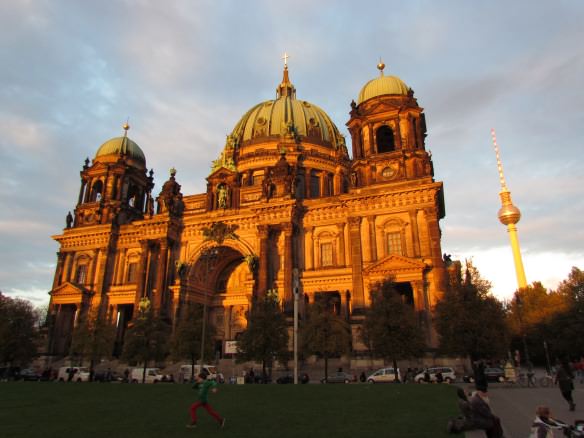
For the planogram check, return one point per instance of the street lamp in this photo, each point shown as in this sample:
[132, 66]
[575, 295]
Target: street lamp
[209, 256]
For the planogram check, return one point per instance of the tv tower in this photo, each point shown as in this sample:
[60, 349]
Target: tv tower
[509, 215]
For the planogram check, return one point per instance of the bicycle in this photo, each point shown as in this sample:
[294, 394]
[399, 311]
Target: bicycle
[546, 381]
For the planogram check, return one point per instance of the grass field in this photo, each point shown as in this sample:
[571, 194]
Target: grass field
[30, 409]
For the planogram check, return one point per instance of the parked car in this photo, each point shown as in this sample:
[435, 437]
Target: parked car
[28, 374]
[494, 374]
[282, 380]
[339, 377]
[73, 374]
[384, 375]
[448, 374]
[153, 375]
[107, 376]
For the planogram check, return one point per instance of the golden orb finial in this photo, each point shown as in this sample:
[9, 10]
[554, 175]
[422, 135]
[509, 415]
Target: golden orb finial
[126, 125]
[380, 66]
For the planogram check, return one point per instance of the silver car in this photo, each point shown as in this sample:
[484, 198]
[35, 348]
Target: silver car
[383, 375]
[448, 374]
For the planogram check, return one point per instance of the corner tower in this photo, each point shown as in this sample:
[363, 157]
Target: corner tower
[400, 203]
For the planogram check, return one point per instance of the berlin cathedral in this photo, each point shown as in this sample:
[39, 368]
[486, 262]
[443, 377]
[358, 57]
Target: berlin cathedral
[286, 210]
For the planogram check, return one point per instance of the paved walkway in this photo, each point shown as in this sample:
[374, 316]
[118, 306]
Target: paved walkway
[516, 407]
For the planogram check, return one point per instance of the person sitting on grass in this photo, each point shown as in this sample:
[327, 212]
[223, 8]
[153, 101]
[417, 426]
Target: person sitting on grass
[476, 415]
[203, 385]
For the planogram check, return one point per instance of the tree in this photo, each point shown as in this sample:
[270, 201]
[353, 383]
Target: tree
[186, 341]
[468, 319]
[564, 330]
[390, 329]
[147, 338]
[324, 333]
[93, 338]
[266, 335]
[18, 331]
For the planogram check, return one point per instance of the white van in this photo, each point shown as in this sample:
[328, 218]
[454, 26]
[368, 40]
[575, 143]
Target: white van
[210, 370]
[153, 375]
[73, 374]
[383, 375]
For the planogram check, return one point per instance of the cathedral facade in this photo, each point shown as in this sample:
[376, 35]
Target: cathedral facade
[287, 210]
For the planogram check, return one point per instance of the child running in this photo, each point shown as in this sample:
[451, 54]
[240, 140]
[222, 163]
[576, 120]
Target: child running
[203, 385]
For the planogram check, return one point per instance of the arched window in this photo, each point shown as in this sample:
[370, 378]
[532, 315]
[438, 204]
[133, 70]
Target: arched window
[385, 142]
[96, 191]
[81, 274]
[314, 184]
[394, 237]
[132, 275]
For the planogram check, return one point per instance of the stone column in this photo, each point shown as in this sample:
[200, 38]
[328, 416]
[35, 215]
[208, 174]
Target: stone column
[341, 251]
[309, 248]
[263, 234]
[288, 230]
[81, 191]
[227, 323]
[92, 274]
[322, 182]
[141, 273]
[337, 182]
[59, 270]
[356, 262]
[344, 310]
[372, 237]
[161, 274]
[120, 269]
[415, 232]
[70, 256]
[307, 178]
[372, 145]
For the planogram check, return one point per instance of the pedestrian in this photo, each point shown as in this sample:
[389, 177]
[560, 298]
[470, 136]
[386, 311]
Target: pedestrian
[481, 383]
[565, 380]
[530, 375]
[203, 386]
[544, 425]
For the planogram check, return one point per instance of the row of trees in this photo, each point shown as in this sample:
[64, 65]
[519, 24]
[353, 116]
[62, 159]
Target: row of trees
[470, 322]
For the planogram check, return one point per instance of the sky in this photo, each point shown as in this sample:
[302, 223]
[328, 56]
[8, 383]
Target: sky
[185, 71]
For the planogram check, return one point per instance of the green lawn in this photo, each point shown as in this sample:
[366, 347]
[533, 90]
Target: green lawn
[30, 409]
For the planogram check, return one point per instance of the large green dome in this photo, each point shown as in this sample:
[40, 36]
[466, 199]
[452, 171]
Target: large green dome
[122, 146]
[383, 85]
[287, 115]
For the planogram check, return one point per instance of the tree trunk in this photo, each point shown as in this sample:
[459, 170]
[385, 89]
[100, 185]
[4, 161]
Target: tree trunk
[144, 372]
[395, 371]
[325, 367]
[192, 368]
[91, 371]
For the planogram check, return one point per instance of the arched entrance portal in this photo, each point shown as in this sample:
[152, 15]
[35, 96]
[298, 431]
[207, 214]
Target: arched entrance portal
[221, 278]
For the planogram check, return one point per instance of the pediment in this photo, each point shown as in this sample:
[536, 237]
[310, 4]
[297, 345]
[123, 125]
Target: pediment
[394, 263]
[221, 173]
[68, 290]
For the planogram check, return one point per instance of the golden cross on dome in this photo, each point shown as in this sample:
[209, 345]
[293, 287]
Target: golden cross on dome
[285, 58]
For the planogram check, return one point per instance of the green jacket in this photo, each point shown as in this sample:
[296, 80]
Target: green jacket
[203, 388]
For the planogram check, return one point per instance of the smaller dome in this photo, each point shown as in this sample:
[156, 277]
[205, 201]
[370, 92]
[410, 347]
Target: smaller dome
[122, 146]
[383, 85]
